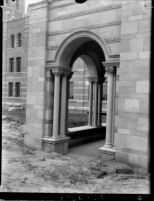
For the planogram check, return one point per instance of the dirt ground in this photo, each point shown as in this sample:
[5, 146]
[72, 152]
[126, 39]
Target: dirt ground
[27, 170]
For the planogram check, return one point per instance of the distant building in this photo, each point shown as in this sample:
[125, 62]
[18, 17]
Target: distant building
[15, 43]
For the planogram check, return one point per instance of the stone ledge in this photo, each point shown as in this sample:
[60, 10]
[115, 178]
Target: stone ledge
[105, 150]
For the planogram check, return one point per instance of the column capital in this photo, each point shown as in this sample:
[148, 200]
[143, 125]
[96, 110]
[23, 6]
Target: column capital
[90, 79]
[60, 71]
[110, 69]
[93, 79]
[111, 64]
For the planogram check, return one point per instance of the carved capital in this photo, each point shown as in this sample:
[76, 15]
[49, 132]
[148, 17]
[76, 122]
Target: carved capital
[60, 71]
[110, 70]
[57, 72]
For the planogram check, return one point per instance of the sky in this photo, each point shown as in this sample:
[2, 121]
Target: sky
[27, 2]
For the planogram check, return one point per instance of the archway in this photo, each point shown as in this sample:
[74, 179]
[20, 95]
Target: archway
[89, 47]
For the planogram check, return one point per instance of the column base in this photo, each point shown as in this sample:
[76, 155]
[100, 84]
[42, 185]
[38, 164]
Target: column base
[58, 145]
[107, 150]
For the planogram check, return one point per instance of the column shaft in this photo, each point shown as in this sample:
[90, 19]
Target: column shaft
[95, 103]
[56, 106]
[109, 129]
[99, 104]
[90, 103]
[114, 102]
[49, 110]
[63, 106]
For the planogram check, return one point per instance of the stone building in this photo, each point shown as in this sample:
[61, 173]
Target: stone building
[113, 40]
[15, 41]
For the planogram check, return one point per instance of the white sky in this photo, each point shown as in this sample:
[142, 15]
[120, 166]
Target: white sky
[27, 2]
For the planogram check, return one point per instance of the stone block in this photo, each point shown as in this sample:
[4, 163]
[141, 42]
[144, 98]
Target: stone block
[143, 124]
[123, 131]
[136, 44]
[142, 86]
[131, 105]
[128, 56]
[126, 120]
[144, 105]
[147, 44]
[144, 55]
[59, 145]
[144, 25]
[129, 28]
[139, 160]
[127, 87]
[125, 45]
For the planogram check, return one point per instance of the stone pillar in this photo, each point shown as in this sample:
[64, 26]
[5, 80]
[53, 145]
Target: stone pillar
[67, 99]
[64, 104]
[58, 142]
[49, 104]
[95, 108]
[57, 73]
[110, 68]
[100, 102]
[90, 101]
[110, 76]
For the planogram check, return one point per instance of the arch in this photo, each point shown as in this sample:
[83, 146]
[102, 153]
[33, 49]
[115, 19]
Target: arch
[78, 38]
[12, 40]
[19, 39]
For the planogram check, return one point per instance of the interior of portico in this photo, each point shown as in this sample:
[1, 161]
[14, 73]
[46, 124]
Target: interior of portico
[93, 56]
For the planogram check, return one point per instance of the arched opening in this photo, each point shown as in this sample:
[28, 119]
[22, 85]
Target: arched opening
[91, 76]
[19, 39]
[94, 54]
[83, 70]
[12, 40]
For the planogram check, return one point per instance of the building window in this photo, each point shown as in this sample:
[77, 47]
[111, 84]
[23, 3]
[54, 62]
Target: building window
[17, 89]
[71, 90]
[11, 64]
[12, 40]
[18, 64]
[19, 39]
[10, 89]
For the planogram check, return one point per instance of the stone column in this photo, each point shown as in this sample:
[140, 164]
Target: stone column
[90, 101]
[57, 73]
[49, 104]
[64, 104]
[110, 86]
[95, 108]
[67, 99]
[100, 102]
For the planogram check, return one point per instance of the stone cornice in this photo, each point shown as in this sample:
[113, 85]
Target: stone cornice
[113, 23]
[88, 12]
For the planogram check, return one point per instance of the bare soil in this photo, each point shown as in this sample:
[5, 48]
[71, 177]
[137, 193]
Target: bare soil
[28, 170]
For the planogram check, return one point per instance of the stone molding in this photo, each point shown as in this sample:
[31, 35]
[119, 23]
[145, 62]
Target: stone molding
[82, 33]
[108, 40]
[82, 13]
[88, 27]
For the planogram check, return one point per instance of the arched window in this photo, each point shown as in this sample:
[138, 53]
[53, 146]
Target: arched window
[12, 40]
[19, 39]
